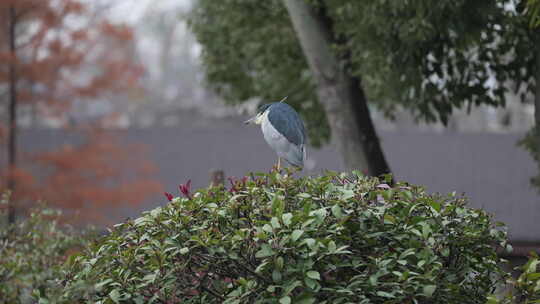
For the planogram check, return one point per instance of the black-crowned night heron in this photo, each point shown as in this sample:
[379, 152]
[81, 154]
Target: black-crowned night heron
[283, 130]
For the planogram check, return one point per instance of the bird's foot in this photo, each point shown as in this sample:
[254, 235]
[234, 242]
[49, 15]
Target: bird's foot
[277, 167]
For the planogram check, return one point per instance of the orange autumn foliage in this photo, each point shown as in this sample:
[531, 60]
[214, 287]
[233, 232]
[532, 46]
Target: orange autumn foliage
[52, 53]
[94, 177]
[65, 54]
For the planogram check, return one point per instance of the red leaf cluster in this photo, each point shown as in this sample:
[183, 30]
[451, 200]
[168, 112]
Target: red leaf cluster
[185, 189]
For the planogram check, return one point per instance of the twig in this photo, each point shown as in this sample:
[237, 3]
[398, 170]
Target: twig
[201, 286]
[253, 273]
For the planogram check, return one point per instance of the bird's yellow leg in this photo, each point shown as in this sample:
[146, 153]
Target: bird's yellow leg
[279, 164]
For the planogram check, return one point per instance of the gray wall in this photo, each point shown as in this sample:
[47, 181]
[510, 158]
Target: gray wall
[487, 168]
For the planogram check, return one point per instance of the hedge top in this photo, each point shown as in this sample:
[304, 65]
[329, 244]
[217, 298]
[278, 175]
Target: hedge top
[270, 238]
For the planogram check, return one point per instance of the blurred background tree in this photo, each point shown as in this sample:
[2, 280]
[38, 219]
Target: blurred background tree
[433, 59]
[428, 58]
[44, 49]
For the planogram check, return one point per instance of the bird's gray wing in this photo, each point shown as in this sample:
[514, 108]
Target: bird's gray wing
[287, 122]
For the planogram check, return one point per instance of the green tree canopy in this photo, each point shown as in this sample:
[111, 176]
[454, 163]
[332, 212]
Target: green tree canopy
[533, 10]
[430, 57]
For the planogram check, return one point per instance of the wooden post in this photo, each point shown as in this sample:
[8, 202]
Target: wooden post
[4, 210]
[217, 177]
[12, 127]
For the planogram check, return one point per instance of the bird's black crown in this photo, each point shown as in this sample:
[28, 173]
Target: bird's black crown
[263, 107]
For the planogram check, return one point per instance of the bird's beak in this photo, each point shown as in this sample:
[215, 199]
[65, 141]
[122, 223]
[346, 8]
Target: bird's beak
[247, 122]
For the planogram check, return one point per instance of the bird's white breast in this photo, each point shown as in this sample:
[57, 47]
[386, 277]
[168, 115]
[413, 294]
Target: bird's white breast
[277, 141]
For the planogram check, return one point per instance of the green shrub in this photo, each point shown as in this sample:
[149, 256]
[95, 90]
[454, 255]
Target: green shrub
[279, 239]
[526, 288]
[31, 255]
[529, 142]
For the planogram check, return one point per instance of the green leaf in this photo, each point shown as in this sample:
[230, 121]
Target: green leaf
[332, 247]
[373, 279]
[285, 300]
[346, 194]
[311, 283]
[276, 276]
[155, 212]
[426, 229]
[493, 299]
[428, 290]
[296, 234]
[43, 301]
[287, 217]
[101, 284]
[406, 253]
[279, 263]
[305, 299]
[312, 274]
[275, 222]
[265, 251]
[149, 277]
[435, 205]
[304, 195]
[115, 296]
[261, 267]
[184, 250]
[533, 276]
[277, 205]
[267, 228]
[385, 294]
[310, 242]
[290, 287]
[336, 211]
[389, 219]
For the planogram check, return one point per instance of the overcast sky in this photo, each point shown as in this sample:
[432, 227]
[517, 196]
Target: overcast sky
[130, 11]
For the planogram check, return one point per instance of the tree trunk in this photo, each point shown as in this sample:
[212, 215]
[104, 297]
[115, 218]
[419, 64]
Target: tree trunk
[535, 133]
[167, 42]
[340, 93]
[537, 104]
[12, 128]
